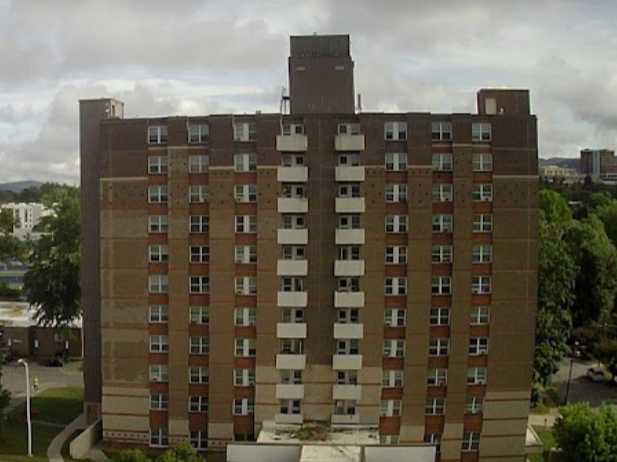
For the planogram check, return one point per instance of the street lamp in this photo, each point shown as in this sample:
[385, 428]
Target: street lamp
[23, 361]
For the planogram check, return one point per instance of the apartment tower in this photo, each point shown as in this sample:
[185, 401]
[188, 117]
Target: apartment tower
[349, 268]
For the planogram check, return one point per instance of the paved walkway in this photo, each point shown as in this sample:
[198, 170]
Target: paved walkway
[544, 420]
[54, 451]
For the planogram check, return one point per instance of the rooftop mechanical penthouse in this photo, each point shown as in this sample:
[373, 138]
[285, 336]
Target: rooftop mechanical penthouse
[351, 268]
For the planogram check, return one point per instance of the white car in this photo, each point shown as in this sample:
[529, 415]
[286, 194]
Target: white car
[595, 374]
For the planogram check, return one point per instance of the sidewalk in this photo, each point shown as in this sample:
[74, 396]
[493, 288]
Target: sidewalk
[544, 420]
[54, 451]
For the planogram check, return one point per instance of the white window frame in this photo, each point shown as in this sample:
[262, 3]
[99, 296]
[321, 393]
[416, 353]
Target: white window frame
[437, 377]
[480, 315]
[244, 131]
[157, 194]
[198, 403]
[482, 162]
[244, 377]
[394, 286]
[245, 193]
[442, 192]
[245, 254]
[245, 347]
[246, 162]
[157, 165]
[439, 347]
[442, 129]
[482, 223]
[159, 438]
[441, 253]
[396, 255]
[158, 224]
[390, 408]
[393, 378]
[199, 224]
[245, 285]
[158, 283]
[477, 376]
[158, 373]
[442, 223]
[159, 401]
[394, 348]
[198, 193]
[482, 192]
[199, 284]
[481, 285]
[199, 315]
[245, 224]
[157, 134]
[198, 133]
[395, 131]
[395, 317]
[245, 316]
[481, 132]
[158, 344]
[478, 346]
[199, 163]
[482, 253]
[471, 442]
[435, 406]
[199, 254]
[243, 406]
[158, 253]
[474, 404]
[395, 161]
[439, 316]
[158, 314]
[441, 285]
[395, 192]
[396, 224]
[442, 161]
[200, 373]
[199, 345]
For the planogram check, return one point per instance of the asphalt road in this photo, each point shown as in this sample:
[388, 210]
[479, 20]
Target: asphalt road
[14, 377]
[582, 388]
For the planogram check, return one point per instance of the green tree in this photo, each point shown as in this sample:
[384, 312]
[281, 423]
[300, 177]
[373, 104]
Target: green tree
[587, 435]
[5, 399]
[607, 213]
[10, 246]
[52, 282]
[554, 207]
[183, 452]
[131, 455]
[605, 351]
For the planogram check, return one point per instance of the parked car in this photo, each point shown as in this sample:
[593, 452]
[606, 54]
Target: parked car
[595, 374]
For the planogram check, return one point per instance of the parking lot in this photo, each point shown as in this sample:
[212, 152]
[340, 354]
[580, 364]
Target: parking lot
[581, 387]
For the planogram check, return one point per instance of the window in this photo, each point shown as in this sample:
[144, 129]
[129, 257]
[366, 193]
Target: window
[243, 406]
[158, 284]
[388, 439]
[348, 159]
[246, 285]
[473, 405]
[390, 408]
[347, 190]
[159, 438]
[158, 253]
[395, 131]
[395, 193]
[394, 348]
[441, 131]
[292, 284]
[394, 317]
[198, 163]
[292, 346]
[437, 377]
[292, 129]
[346, 377]
[435, 406]
[393, 378]
[198, 224]
[157, 134]
[200, 254]
[396, 161]
[349, 129]
[482, 223]
[441, 285]
[482, 253]
[244, 377]
[294, 221]
[442, 192]
[482, 162]
[396, 223]
[199, 345]
[292, 160]
[440, 317]
[198, 133]
[157, 224]
[348, 252]
[157, 313]
[479, 315]
[347, 315]
[199, 440]
[293, 190]
[441, 254]
[290, 406]
[159, 344]
[347, 347]
[245, 347]
[198, 193]
[157, 165]
[245, 131]
[396, 255]
[442, 223]
[199, 315]
[291, 377]
[349, 284]
[478, 346]
[482, 192]
[345, 407]
[438, 347]
[481, 131]
[476, 376]
[434, 439]
[199, 284]
[158, 402]
[348, 221]
[245, 193]
[198, 375]
[480, 285]
[395, 286]
[158, 373]
[245, 316]
[471, 442]
[442, 162]
[245, 162]
[245, 254]
[198, 403]
[246, 224]
[157, 194]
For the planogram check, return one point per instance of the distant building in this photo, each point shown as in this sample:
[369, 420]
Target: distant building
[556, 174]
[27, 216]
[12, 274]
[597, 162]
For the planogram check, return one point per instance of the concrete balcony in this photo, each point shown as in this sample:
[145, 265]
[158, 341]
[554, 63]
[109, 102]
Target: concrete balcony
[292, 268]
[347, 362]
[296, 174]
[349, 173]
[291, 143]
[348, 330]
[350, 205]
[289, 391]
[349, 142]
[348, 299]
[298, 299]
[291, 330]
[289, 361]
[349, 268]
[346, 392]
[349, 236]
[292, 205]
[292, 236]
[345, 419]
[288, 419]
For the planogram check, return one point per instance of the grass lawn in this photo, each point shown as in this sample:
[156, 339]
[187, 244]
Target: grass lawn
[57, 406]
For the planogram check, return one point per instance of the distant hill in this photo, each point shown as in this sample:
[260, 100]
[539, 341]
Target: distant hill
[19, 186]
[566, 162]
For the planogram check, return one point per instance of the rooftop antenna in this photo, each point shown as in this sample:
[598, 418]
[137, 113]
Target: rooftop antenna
[284, 108]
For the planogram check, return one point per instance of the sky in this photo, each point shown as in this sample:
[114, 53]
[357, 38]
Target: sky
[189, 57]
